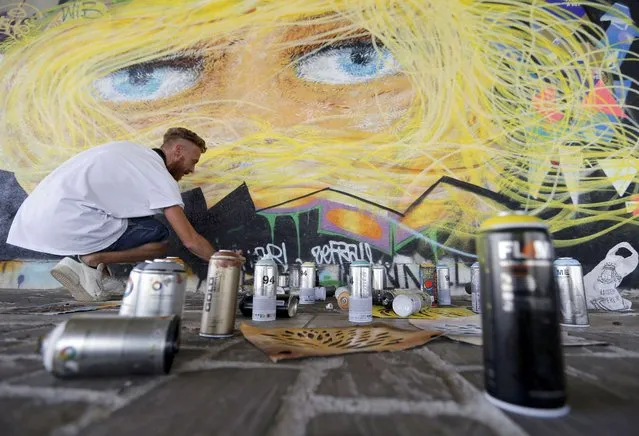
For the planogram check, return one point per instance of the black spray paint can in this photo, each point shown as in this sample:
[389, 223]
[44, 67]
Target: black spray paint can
[523, 360]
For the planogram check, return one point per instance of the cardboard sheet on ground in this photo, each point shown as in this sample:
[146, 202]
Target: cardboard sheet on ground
[427, 313]
[87, 308]
[468, 330]
[295, 343]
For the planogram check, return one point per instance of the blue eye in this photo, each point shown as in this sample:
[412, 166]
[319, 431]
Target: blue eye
[149, 81]
[356, 62]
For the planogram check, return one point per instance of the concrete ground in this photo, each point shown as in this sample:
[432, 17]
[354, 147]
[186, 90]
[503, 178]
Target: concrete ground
[228, 387]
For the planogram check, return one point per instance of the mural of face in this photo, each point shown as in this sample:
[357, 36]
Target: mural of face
[422, 117]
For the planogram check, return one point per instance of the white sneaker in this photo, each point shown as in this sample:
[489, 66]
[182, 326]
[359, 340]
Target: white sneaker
[111, 284]
[84, 282]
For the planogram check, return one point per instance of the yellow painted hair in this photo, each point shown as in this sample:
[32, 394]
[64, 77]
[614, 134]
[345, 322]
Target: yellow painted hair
[476, 70]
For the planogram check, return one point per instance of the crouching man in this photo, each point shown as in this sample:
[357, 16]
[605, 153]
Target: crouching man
[98, 209]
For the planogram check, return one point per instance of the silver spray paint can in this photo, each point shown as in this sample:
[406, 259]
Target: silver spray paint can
[360, 305]
[264, 290]
[111, 345]
[443, 283]
[475, 288]
[307, 285]
[159, 287]
[220, 298]
[379, 282]
[572, 294]
[379, 278]
[131, 292]
[283, 280]
[295, 276]
[409, 303]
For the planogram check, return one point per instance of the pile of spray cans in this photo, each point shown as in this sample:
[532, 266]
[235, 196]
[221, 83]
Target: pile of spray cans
[435, 281]
[265, 304]
[142, 339]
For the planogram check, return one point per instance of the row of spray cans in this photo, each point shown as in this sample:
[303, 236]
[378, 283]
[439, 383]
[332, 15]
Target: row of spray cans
[142, 339]
[278, 295]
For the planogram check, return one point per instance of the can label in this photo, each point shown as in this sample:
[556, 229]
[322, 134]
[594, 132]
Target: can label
[307, 295]
[360, 309]
[523, 358]
[264, 308]
[428, 279]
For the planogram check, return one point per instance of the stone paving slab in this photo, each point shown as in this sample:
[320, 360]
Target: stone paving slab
[400, 425]
[205, 403]
[230, 387]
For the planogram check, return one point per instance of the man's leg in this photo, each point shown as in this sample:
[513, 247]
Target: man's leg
[144, 238]
[151, 250]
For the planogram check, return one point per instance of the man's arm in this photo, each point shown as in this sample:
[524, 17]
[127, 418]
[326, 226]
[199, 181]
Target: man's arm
[191, 239]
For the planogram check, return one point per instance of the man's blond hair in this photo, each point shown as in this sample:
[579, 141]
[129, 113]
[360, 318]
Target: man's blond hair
[183, 133]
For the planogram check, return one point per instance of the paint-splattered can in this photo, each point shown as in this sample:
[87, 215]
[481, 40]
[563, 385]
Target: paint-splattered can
[295, 276]
[428, 280]
[360, 305]
[523, 359]
[443, 285]
[572, 294]
[285, 305]
[342, 295]
[475, 288]
[111, 345]
[407, 304]
[156, 288]
[307, 285]
[264, 292]
[220, 298]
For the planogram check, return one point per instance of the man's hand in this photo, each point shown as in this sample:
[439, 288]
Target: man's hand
[191, 239]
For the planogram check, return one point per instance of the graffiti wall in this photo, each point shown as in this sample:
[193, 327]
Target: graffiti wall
[340, 130]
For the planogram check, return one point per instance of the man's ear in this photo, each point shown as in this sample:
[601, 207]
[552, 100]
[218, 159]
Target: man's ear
[178, 149]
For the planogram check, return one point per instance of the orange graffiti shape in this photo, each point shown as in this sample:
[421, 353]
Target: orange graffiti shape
[355, 222]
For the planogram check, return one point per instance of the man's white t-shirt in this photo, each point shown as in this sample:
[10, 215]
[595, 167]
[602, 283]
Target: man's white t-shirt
[82, 206]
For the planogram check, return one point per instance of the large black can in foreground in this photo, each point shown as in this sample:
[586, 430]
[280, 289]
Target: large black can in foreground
[523, 360]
